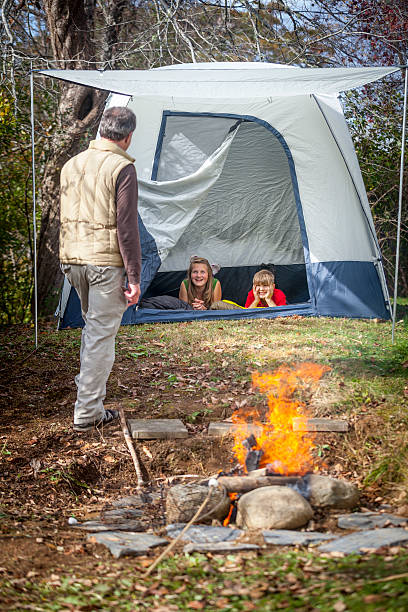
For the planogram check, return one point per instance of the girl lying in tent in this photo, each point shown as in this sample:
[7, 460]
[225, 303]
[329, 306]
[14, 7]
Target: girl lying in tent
[200, 289]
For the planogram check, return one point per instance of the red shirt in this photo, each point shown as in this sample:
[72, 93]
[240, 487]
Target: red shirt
[278, 297]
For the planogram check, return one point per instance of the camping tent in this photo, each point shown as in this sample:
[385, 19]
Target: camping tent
[246, 164]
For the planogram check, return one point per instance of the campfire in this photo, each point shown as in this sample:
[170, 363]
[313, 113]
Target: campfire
[284, 456]
[277, 447]
[274, 483]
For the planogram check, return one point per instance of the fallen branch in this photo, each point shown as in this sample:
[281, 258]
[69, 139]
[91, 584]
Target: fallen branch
[242, 484]
[387, 578]
[131, 448]
[174, 542]
[362, 583]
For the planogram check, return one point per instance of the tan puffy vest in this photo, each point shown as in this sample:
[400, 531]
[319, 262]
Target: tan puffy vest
[88, 233]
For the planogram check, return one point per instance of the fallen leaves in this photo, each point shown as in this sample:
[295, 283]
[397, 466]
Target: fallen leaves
[196, 605]
[369, 599]
[222, 604]
[147, 452]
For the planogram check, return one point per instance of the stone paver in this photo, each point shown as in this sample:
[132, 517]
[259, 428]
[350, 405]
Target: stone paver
[217, 429]
[337, 425]
[369, 520]
[157, 429]
[203, 534]
[219, 547]
[363, 540]
[101, 526]
[285, 537]
[121, 544]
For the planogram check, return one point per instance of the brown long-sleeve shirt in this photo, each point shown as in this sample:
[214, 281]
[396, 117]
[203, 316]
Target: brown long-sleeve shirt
[127, 223]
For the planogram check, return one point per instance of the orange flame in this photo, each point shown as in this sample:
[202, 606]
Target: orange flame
[233, 497]
[289, 452]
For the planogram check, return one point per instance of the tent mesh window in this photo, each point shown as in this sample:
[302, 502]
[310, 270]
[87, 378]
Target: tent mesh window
[249, 216]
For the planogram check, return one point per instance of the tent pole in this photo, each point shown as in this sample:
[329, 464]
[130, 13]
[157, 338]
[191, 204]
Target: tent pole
[394, 310]
[34, 207]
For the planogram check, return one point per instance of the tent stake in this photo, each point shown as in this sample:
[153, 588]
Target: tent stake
[34, 207]
[394, 310]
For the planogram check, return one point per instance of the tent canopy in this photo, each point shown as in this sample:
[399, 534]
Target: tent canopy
[220, 80]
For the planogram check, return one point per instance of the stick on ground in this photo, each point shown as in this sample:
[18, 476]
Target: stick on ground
[131, 448]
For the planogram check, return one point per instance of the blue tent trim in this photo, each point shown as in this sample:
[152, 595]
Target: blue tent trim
[349, 289]
[146, 315]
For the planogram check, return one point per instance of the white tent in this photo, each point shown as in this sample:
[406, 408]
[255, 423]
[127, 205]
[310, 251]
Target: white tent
[245, 164]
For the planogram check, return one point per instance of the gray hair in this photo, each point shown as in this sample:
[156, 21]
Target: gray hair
[117, 122]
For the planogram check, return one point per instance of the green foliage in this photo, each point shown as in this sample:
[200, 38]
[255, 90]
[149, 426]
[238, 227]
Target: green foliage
[390, 468]
[15, 221]
[197, 414]
[16, 197]
[143, 351]
[374, 118]
[57, 476]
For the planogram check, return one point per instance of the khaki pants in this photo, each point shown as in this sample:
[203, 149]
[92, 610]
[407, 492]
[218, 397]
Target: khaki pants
[102, 304]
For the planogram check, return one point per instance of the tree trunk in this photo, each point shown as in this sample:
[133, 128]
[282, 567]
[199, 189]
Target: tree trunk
[71, 29]
[67, 141]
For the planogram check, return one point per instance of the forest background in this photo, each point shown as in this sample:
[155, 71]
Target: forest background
[142, 34]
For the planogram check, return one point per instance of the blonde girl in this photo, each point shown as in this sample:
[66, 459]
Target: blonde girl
[200, 289]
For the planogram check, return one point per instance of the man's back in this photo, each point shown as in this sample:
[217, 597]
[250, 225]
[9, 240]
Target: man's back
[88, 231]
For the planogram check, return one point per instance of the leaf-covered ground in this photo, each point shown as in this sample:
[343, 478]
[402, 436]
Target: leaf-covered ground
[197, 372]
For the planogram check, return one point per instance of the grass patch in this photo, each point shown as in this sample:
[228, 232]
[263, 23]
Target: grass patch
[289, 581]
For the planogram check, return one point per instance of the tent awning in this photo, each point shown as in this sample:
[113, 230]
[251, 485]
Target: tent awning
[225, 80]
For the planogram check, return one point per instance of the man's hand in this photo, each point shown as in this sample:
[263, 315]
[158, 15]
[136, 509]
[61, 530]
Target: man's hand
[132, 293]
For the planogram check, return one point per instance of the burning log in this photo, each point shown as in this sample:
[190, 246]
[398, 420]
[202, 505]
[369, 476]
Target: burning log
[243, 484]
[254, 454]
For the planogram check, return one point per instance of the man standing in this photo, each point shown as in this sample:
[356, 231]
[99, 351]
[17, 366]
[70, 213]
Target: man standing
[99, 244]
